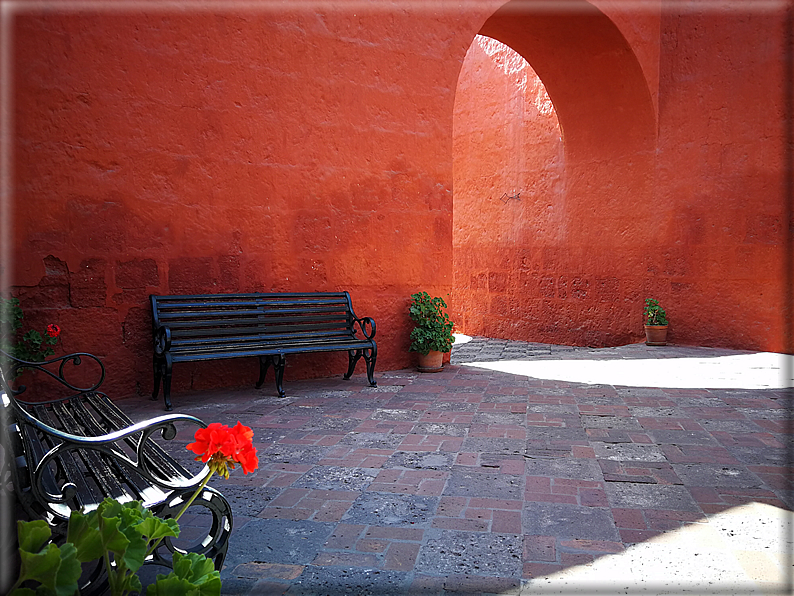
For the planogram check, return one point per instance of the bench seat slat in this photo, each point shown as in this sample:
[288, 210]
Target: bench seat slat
[88, 494]
[242, 353]
[159, 459]
[95, 463]
[95, 424]
[37, 444]
[96, 427]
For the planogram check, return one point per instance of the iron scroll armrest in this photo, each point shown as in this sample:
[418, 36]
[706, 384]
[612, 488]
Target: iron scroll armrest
[364, 323]
[108, 445]
[163, 423]
[162, 340]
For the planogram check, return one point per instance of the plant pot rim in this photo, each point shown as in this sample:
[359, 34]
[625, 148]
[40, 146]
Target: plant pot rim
[656, 326]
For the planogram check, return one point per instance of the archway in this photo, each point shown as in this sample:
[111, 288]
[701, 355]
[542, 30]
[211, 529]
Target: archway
[572, 273]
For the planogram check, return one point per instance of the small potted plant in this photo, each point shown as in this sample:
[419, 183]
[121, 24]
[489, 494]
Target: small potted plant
[432, 335]
[655, 323]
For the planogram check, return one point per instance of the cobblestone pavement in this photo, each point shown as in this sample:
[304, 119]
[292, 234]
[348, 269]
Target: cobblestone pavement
[476, 481]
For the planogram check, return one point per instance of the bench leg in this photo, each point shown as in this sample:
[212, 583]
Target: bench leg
[167, 383]
[369, 357]
[280, 363]
[158, 375]
[353, 357]
[264, 364]
[162, 371]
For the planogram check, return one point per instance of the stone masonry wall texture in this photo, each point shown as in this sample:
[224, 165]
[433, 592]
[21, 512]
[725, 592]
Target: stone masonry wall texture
[262, 149]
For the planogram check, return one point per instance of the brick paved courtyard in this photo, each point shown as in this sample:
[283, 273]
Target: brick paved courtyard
[480, 481]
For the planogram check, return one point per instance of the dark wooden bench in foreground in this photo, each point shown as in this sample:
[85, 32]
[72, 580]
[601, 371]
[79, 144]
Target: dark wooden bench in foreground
[267, 326]
[71, 452]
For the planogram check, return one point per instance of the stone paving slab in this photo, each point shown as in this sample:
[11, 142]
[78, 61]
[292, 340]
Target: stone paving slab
[569, 521]
[382, 509]
[449, 552]
[473, 481]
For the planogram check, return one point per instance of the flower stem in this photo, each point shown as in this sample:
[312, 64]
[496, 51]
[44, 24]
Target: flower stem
[184, 508]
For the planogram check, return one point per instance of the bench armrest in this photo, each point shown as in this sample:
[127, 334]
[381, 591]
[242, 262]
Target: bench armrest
[110, 445]
[367, 325]
[162, 340]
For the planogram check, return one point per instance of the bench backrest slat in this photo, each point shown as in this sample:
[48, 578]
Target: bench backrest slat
[262, 323]
[248, 319]
[201, 336]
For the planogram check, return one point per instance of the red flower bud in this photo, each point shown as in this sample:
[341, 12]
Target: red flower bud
[53, 330]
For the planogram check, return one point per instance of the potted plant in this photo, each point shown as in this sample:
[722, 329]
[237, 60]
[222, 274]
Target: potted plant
[432, 335]
[655, 323]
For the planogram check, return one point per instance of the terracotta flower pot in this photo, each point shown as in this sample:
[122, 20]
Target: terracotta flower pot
[655, 335]
[431, 362]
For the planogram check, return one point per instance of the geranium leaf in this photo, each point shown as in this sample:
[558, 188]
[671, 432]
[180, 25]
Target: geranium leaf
[113, 540]
[22, 592]
[42, 567]
[83, 532]
[131, 515]
[69, 571]
[132, 583]
[155, 528]
[33, 535]
[193, 575]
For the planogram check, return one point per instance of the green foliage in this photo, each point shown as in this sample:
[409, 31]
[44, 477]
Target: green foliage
[57, 569]
[121, 535]
[433, 330]
[32, 345]
[193, 575]
[654, 313]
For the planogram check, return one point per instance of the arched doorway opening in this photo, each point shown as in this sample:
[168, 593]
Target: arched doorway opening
[551, 178]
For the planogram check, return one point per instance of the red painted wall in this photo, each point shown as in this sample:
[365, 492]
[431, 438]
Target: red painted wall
[259, 149]
[252, 151]
[509, 183]
[720, 178]
[689, 210]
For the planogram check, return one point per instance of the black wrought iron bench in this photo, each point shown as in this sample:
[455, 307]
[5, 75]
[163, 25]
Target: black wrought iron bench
[72, 452]
[267, 326]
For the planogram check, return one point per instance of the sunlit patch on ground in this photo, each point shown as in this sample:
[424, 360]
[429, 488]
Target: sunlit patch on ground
[760, 370]
[743, 550]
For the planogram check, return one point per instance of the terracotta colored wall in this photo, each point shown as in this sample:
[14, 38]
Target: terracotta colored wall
[693, 216]
[254, 151]
[507, 142]
[720, 178]
[268, 150]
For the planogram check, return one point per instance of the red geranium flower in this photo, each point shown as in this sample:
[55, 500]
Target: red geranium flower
[53, 330]
[220, 447]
